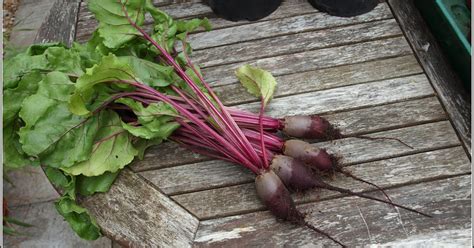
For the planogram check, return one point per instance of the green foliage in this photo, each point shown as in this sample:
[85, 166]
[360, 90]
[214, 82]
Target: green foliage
[112, 149]
[78, 218]
[114, 27]
[91, 185]
[156, 120]
[56, 99]
[258, 82]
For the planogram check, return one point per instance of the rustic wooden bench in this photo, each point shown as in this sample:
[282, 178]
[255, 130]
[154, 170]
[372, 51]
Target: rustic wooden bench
[380, 74]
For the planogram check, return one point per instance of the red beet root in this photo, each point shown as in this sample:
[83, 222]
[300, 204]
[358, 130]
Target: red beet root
[273, 193]
[311, 155]
[276, 197]
[309, 127]
[294, 174]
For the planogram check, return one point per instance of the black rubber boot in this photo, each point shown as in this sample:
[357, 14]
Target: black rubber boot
[344, 8]
[236, 10]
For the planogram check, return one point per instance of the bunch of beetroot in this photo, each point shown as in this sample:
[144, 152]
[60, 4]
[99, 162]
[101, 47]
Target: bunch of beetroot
[210, 128]
[97, 106]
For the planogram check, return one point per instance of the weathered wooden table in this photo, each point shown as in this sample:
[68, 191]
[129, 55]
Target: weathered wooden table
[379, 74]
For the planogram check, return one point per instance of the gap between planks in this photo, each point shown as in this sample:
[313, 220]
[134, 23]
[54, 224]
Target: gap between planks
[313, 21]
[389, 173]
[329, 196]
[296, 43]
[275, 28]
[213, 174]
[382, 118]
[327, 78]
[339, 215]
[199, 10]
[314, 59]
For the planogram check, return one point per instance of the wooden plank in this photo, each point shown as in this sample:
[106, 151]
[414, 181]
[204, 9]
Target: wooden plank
[294, 43]
[349, 97]
[447, 84]
[27, 22]
[192, 177]
[123, 214]
[60, 25]
[176, 9]
[356, 222]
[206, 175]
[87, 23]
[191, 9]
[216, 202]
[313, 60]
[170, 154]
[296, 24]
[289, 8]
[327, 78]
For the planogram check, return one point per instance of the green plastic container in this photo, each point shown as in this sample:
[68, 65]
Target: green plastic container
[450, 22]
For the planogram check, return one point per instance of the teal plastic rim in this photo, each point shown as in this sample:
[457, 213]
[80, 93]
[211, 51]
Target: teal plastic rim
[446, 7]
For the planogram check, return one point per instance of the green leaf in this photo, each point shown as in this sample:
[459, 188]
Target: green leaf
[149, 73]
[16, 222]
[143, 144]
[112, 148]
[114, 26]
[90, 185]
[63, 181]
[13, 156]
[78, 218]
[10, 231]
[187, 26]
[13, 97]
[43, 58]
[157, 119]
[109, 69]
[51, 131]
[258, 82]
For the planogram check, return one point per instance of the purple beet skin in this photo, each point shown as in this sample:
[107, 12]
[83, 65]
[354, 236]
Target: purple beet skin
[273, 193]
[309, 154]
[309, 127]
[294, 174]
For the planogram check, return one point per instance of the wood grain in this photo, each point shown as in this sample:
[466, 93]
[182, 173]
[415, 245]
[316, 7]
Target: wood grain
[206, 175]
[346, 98]
[361, 74]
[242, 198]
[447, 84]
[272, 28]
[191, 9]
[137, 215]
[294, 43]
[313, 60]
[170, 154]
[327, 78]
[60, 25]
[216, 173]
[344, 219]
[87, 23]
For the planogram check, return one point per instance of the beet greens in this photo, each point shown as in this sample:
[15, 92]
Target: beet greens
[86, 112]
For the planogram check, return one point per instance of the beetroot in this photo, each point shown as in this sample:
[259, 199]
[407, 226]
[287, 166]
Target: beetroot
[273, 193]
[296, 176]
[310, 127]
[276, 197]
[311, 155]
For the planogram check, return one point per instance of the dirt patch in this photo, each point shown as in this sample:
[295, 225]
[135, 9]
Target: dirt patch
[9, 9]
